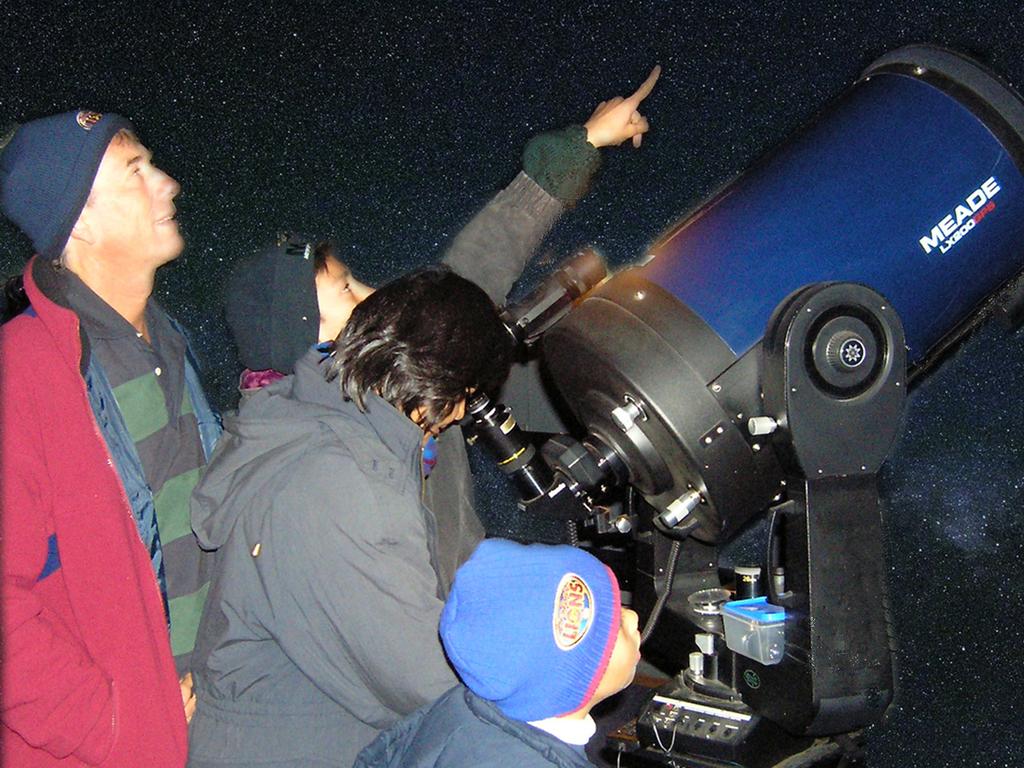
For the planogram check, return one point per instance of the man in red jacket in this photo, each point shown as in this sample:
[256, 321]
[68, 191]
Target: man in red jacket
[103, 428]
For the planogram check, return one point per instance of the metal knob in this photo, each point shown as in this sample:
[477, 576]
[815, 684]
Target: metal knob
[697, 664]
[625, 416]
[761, 425]
[679, 509]
[705, 641]
[845, 351]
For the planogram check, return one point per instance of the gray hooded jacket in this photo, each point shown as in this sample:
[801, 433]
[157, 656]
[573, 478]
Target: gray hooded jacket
[303, 666]
[321, 624]
[491, 250]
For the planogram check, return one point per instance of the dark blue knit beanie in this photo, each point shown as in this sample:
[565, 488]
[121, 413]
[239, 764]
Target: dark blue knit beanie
[531, 627]
[47, 170]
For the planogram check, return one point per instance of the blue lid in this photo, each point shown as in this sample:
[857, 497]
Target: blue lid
[756, 609]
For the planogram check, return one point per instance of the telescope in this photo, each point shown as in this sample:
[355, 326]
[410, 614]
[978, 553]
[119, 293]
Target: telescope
[755, 365]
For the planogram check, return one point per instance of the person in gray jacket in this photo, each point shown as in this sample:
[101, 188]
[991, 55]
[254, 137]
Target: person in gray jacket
[297, 292]
[321, 623]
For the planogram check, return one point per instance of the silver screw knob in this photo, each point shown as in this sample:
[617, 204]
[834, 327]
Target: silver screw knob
[761, 425]
[697, 664]
[625, 416]
[679, 509]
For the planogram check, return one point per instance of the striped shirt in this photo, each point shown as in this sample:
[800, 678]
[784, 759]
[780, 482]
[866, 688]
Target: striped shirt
[148, 380]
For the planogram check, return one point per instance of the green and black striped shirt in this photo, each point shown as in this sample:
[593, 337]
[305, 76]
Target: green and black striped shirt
[148, 380]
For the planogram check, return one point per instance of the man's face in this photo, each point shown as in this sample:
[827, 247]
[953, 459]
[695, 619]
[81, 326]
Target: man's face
[129, 217]
[337, 294]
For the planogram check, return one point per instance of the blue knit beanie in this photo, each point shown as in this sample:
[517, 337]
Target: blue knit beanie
[532, 627]
[47, 170]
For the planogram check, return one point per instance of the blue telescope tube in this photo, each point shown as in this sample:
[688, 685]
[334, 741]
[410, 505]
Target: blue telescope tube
[911, 183]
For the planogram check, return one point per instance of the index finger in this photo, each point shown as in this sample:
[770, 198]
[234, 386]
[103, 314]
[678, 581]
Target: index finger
[647, 86]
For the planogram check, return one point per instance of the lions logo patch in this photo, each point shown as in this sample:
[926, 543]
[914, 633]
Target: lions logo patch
[574, 611]
[88, 119]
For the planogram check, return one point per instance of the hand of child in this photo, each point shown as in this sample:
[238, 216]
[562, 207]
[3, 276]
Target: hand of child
[619, 119]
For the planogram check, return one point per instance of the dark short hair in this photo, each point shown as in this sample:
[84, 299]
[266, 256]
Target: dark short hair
[321, 250]
[425, 340]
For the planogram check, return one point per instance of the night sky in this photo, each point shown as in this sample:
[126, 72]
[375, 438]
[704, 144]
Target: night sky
[387, 128]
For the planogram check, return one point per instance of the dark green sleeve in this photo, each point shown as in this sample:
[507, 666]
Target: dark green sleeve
[494, 247]
[562, 162]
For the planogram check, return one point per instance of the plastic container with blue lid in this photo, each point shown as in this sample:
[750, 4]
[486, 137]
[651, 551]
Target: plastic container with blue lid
[756, 629]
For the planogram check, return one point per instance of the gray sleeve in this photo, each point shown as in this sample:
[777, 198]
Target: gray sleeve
[494, 247]
[347, 572]
[448, 493]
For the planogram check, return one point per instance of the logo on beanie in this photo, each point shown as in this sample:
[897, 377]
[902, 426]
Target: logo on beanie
[88, 119]
[574, 611]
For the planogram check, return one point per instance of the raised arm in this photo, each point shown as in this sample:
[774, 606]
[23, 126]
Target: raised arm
[494, 247]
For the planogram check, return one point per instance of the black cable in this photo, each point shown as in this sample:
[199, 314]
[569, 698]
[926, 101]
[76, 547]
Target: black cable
[820, 750]
[652, 620]
[769, 555]
[572, 532]
[673, 561]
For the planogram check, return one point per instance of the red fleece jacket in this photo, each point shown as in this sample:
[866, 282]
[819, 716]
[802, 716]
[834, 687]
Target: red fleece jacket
[87, 674]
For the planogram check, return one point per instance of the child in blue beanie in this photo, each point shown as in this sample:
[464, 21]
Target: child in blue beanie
[538, 637]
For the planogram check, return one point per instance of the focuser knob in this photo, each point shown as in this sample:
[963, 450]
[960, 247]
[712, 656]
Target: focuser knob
[846, 350]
